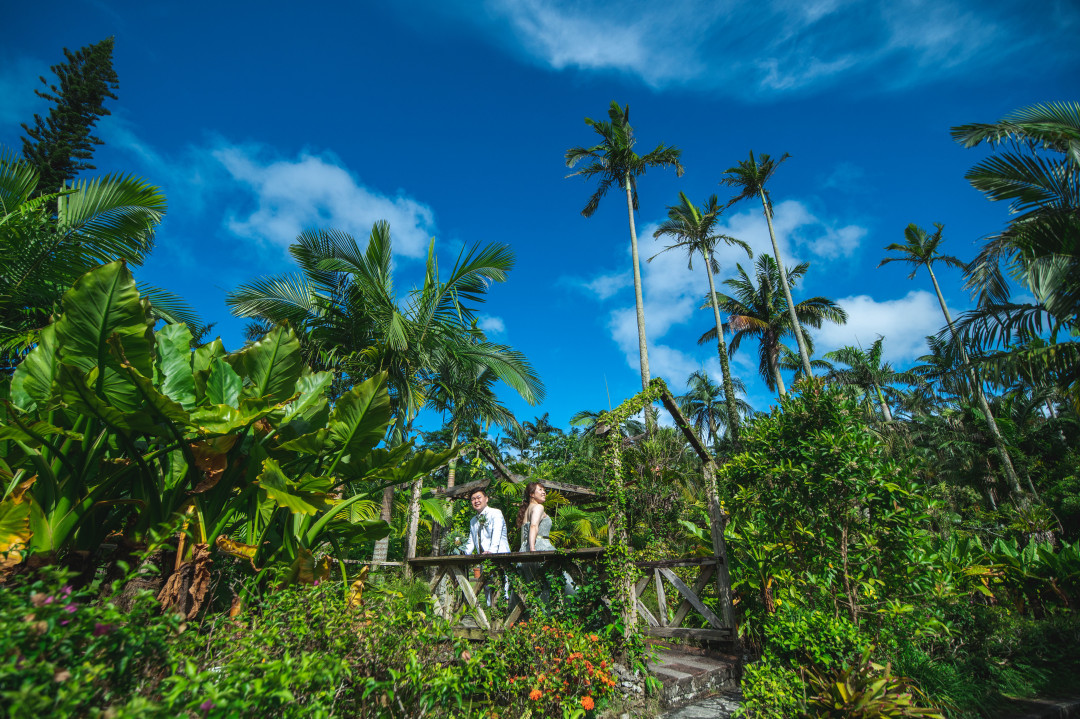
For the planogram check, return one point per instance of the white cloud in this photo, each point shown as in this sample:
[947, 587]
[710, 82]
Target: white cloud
[316, 191]
[771, 46]
[606, 286]
[799, 232]
[904, 322]
[491, 325]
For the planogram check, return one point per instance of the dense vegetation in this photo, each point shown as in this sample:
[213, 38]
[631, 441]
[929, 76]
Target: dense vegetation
[183, 526]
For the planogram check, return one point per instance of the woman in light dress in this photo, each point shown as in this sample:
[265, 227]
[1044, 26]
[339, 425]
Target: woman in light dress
[534, 522]
[535, 527]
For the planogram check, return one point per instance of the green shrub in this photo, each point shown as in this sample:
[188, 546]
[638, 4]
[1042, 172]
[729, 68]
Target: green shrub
[863, 690]
[770, 689]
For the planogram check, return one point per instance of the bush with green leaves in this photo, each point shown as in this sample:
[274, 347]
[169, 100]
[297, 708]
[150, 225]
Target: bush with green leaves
[863, 689]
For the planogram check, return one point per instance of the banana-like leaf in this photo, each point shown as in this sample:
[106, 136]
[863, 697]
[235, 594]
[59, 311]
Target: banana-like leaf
[31, 385]
[271, 366]
[286, 493]
[316, 443]
[32, 432]
[105, 303]
[76, 391]
[419, 464]
[174, 364]
[204, 356]
[156, 403]
[360, 417]
[223, 385]
[15, 531]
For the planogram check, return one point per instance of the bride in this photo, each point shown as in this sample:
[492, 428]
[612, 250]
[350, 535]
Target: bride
[534, 522]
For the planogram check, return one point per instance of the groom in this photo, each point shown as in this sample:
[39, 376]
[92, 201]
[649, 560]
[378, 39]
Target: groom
[487, 530]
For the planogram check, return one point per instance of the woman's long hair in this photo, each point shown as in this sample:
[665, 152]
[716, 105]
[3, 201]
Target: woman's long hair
[529, 489]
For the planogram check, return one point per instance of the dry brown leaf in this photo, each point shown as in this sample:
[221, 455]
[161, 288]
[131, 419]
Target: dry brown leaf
[185, 591]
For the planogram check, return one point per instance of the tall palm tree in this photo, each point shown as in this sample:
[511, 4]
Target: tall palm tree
[693, 230]
[750, 177]
[344, 305]
[921, 249]
[701, 405]
[49, 241]
[615, 163]
[866, 371]
[757, 310]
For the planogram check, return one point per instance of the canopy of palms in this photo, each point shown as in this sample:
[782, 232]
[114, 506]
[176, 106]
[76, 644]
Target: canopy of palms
[49, 241]
[866, 371]
[757, 310]
[750, 178]
[705, 405]
[615, 163]
[693, 230]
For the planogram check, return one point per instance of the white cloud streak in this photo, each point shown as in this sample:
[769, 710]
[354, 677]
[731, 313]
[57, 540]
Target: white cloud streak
[770, 47]
[904, 322]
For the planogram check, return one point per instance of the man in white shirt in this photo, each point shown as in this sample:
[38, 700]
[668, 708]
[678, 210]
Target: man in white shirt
[487, 530]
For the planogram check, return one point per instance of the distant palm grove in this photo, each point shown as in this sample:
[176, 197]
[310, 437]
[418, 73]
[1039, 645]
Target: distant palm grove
[191, 529]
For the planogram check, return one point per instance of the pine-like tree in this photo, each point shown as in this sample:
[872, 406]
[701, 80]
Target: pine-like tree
[60, 145]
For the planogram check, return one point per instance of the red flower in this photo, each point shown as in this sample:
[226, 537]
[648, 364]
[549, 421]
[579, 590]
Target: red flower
[587, 704]
[535, 695]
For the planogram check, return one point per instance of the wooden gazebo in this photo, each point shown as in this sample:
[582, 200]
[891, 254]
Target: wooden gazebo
[629, 578]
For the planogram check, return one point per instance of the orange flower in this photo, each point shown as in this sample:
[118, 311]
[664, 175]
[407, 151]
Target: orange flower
[588, 665]
[594, 638]
[587, 704]
[535, 695]
[603, 664]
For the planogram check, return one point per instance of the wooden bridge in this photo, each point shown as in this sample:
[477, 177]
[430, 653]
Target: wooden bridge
[466, 596]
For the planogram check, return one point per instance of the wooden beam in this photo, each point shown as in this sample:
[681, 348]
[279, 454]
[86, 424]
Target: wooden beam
[693, 598]
[700, 584]
[465, 560]
[514, 615]
[712, 635]
[470, 597]
[688, 562]
[661, 600]
[646, 614]
[682, 424]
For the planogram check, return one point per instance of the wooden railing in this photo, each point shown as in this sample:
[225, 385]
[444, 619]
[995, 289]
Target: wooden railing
[465, 595]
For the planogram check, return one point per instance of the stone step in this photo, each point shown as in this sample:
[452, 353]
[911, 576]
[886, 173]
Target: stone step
[688, 676]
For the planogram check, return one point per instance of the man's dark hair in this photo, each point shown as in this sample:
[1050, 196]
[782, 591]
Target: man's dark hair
[474, 491]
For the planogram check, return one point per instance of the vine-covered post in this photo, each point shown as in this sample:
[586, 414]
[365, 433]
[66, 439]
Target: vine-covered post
[617, 558]
[717, 522]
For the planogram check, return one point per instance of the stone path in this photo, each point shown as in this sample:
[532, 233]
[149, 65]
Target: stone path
[716, 707]
[688, 676]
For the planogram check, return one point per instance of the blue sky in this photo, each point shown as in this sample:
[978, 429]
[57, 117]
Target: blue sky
[450, 120]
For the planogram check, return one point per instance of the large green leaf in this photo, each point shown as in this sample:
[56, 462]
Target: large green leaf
[105, 303]
[174, 363]
[223, 384]
[31, 386]
[76, 391]
[271, 366]
[279, 488]
[361, 415]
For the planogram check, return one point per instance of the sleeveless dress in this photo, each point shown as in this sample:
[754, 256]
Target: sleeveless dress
[542, 544]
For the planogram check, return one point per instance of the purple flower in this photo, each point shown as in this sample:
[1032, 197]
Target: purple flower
[71, 608]
[207, 705]
[66, 591]
[102, 629]
[49, 600]
[65, 622]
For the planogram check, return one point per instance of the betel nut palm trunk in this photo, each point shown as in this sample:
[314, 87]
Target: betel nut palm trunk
[643, 349]
[803, 354]
[725, 366]
[980, 397]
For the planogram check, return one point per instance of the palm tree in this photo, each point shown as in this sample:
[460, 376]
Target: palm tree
[48, 242]
[701, 405]
[692, 228]
[344, 305]
[615, 163]
[1039, 176]
[757, 310]
[920, 249]
[866, 371]
[751, 176]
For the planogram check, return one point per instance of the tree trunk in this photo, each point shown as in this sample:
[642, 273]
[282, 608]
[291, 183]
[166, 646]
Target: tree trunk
[414, 523]
[643, 350]
[725, 367]
[774, 367]
[980, 396]
[382, 546]
[803, 354]
[885, 413]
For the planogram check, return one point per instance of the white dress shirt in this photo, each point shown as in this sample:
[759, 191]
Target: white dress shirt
[489, 536]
